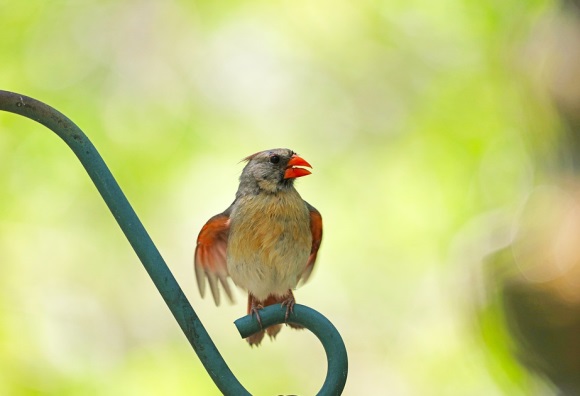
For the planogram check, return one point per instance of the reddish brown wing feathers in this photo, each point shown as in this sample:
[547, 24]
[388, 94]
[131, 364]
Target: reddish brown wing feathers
[316, 229]
[210, 256]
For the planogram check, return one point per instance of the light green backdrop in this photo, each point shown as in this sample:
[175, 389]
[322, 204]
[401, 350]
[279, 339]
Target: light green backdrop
[414, 114]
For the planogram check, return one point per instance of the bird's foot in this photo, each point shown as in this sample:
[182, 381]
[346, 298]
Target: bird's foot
[289, 303]
[255, 311]
[254, 308]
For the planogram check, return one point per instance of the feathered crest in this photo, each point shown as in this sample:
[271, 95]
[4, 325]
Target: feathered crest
[251, 157]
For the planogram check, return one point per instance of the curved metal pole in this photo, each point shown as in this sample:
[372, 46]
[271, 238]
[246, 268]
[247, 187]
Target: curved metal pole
[337, 369]
[157, 268]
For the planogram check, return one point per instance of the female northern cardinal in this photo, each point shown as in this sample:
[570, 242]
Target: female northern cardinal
[266, 241]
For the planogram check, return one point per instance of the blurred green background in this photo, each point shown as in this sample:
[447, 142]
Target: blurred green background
[427, 123]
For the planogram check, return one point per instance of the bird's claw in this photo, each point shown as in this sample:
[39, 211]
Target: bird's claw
[254, 310]
[289, 304]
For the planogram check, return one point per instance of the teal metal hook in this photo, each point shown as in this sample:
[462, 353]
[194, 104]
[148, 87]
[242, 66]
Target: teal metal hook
[161, 275]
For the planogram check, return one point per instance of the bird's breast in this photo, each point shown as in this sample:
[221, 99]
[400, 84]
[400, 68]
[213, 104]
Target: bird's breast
[269, 242]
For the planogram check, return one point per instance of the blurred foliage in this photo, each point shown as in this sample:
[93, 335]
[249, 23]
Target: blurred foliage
[421, 119]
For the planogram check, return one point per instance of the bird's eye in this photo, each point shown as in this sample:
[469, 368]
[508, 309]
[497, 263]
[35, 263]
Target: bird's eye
[274, 159]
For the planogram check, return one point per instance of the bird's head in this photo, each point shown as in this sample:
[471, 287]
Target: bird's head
[272, 170]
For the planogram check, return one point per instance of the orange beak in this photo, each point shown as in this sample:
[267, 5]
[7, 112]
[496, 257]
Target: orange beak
[293, 172]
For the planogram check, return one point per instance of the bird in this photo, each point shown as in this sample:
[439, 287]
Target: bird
[266, 241]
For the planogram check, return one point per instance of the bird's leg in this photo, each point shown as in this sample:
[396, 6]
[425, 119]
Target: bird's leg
[289, 303]
[254, 307]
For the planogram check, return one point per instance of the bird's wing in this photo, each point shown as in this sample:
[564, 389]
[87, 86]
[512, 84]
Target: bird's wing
[316, 229]
[210, 256]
